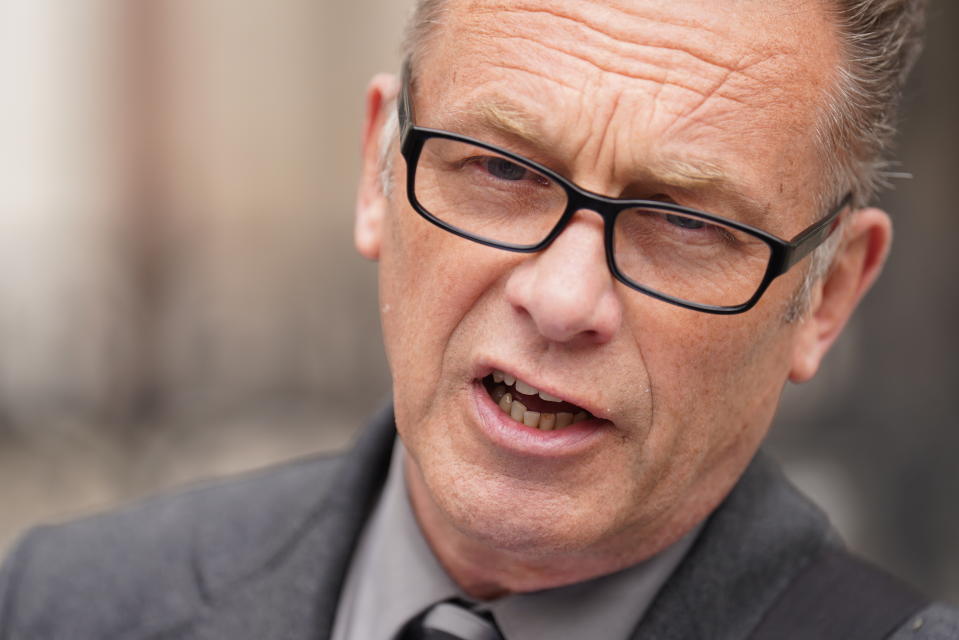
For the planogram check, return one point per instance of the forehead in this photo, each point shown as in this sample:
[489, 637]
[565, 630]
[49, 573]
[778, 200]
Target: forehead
[730, 87]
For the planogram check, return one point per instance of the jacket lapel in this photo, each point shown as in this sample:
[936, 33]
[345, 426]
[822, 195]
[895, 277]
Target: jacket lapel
[753, 545]
[293, 591]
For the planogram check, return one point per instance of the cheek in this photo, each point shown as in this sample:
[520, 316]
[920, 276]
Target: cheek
[714, 385]
[430, 283]
[716, 380]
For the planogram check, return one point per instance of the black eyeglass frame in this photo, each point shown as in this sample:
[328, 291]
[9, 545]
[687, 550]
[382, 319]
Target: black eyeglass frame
[784, 254]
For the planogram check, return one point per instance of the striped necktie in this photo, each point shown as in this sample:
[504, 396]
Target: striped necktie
[451, 620]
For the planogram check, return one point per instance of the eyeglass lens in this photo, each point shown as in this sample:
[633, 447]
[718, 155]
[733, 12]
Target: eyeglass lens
[496, 198]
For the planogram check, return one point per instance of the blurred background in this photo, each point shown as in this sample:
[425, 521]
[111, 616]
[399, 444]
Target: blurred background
[179, 297]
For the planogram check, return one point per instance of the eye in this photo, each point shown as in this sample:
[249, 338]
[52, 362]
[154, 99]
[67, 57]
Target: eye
[685, 222]
[505, 169]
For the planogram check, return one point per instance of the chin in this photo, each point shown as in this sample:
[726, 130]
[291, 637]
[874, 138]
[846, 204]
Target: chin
[528, 520]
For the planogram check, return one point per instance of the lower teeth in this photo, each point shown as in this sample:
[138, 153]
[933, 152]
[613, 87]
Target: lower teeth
[538, 420]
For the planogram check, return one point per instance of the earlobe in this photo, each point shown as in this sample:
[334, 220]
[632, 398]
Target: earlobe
[367, 230]
[371, 201]
[858, 262]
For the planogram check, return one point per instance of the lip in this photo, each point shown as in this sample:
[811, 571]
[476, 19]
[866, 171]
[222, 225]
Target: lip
[511, 435]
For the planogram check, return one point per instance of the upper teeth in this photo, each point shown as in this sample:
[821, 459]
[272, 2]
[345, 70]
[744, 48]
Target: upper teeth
[522, 387]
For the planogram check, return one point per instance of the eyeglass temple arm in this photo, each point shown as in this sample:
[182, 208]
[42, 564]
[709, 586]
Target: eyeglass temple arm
[813, 236]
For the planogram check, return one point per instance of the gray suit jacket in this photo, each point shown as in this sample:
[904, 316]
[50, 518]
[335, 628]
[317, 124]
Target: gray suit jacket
[264, 556]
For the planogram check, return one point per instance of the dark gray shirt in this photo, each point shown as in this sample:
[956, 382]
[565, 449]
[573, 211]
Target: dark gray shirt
[394, 575]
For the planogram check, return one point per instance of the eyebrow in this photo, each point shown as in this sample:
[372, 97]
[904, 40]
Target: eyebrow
[506, 119]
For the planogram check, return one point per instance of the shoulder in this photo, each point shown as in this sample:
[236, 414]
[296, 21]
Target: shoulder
[156, 558]
[757, 567]
[938, 621]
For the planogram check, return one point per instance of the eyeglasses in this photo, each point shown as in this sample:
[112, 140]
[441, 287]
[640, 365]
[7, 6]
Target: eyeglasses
[686, 257]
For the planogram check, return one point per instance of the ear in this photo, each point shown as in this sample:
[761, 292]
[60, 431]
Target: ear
[865, 245]
[371, 202]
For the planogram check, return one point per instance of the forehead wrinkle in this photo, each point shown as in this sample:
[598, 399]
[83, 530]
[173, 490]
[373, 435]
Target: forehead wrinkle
[651, 69]
[596, 42]
[653, 73]
[756, 75]
[586, 21]
[751, 76]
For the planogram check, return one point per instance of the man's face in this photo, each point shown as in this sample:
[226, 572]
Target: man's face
[711, 105]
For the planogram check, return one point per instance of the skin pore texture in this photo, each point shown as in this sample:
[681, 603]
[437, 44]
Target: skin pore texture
[707, 104]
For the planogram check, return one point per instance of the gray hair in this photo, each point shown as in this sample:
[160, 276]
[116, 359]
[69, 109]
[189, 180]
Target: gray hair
[881, 40]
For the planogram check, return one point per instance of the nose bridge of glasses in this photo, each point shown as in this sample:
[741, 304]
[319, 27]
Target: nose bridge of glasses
[579, 205]
[580, 201]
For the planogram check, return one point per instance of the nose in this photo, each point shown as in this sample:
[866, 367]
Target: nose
[567, 290]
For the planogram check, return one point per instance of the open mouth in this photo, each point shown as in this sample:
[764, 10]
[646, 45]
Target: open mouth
[527, 404]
